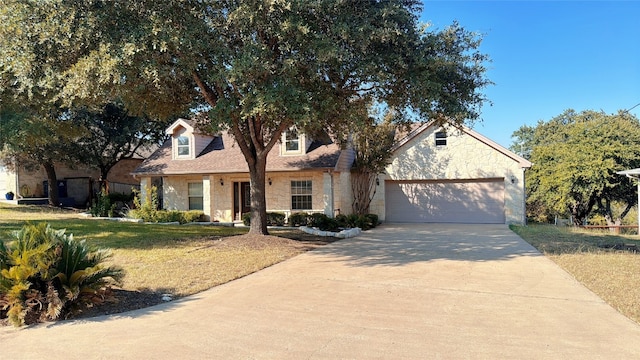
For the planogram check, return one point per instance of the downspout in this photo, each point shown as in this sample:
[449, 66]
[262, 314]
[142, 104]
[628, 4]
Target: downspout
[331, 195]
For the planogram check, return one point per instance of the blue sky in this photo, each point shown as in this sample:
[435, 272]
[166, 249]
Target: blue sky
[548, 56]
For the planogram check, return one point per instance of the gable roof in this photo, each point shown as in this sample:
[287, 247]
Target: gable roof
[223, 155]
[185, 123]
[420, 128]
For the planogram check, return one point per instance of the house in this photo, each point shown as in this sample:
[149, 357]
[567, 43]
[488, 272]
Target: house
[75, 185]
[437, 174]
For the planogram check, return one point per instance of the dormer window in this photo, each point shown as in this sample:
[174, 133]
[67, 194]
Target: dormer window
[184, 148]
[292, 141]
[441, 138]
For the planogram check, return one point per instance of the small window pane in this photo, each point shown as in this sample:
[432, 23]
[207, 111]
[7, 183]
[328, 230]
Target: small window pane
[196, 200]
[292, 141]
[183, 146]
[441, 138]
[195, 189]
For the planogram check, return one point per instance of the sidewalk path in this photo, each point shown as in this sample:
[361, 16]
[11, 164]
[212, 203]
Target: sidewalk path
[397, 292]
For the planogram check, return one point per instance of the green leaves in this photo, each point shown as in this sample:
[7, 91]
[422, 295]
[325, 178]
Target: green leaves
[44, 272]
[576, 157]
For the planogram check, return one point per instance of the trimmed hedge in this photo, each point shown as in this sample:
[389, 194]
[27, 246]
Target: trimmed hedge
[325, 223]
[273, 219]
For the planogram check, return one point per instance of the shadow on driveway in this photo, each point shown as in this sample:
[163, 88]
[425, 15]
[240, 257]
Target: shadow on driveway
[401, 244]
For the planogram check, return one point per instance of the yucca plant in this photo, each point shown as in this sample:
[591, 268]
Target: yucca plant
[44, 272]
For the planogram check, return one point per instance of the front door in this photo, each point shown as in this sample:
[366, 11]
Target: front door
[241, 199]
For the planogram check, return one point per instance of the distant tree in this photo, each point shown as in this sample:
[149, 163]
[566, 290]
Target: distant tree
[258, 67]
[30, 141]
[576, 157]
[523, 141]
[110, 135]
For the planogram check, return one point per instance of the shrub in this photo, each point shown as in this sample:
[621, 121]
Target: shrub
[323, 222]
[364, 222]
[45, 274]
[102, 206]
[166, 216]
[192, 216]
[373, 219]
[299, 219]
[273, 219]
[145, 209]
[246, 219]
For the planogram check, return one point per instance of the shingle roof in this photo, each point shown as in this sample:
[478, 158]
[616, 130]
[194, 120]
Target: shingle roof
[223, 155]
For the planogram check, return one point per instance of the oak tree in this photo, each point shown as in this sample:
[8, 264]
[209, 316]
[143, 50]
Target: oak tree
[576, 157]
[258, 67]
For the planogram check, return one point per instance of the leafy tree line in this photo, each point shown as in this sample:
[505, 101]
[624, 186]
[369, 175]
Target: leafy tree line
[257, 67]
[98, 139]
[575, 158]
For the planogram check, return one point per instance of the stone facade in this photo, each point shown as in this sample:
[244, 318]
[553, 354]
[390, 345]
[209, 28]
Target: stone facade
[218, 192]
[466, 156]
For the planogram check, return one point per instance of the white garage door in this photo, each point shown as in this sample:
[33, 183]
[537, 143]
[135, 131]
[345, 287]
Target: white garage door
[472, 201]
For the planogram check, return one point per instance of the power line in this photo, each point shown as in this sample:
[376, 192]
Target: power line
[633, 107]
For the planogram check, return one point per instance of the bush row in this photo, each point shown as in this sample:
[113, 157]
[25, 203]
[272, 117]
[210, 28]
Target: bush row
[318, 220]
[46, 274]
[325, 223]
[273, 219]
[163, 216]
[147, 211]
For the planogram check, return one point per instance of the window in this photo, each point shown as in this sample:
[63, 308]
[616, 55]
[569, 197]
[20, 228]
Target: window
[441, 138]
[195, 196]
[301, 195]
[292, 140]
[183, 146]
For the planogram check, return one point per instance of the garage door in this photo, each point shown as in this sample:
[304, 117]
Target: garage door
[472, 201]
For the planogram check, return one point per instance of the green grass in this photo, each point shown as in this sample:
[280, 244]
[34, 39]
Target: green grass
[614, 275]
[178, 259]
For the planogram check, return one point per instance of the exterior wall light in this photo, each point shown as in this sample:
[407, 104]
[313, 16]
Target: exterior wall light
[221, 182]
[269, 181]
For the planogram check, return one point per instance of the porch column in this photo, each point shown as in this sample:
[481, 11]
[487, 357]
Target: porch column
[207, 197]
[327, 193]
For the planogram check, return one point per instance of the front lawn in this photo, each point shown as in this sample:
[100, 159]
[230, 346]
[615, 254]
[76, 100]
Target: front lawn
[593, 258]
[175, 259]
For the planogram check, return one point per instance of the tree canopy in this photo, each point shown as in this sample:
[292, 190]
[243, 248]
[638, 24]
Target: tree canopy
[576, 157]
[31, 140]
[258, 67]
[111, 134]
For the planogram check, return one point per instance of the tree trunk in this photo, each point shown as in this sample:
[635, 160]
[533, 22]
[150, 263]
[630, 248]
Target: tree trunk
[52, 183]
[104, 183]
[363, 186]
[258, 196]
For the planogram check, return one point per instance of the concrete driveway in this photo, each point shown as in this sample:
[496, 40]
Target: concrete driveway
[397, 292]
